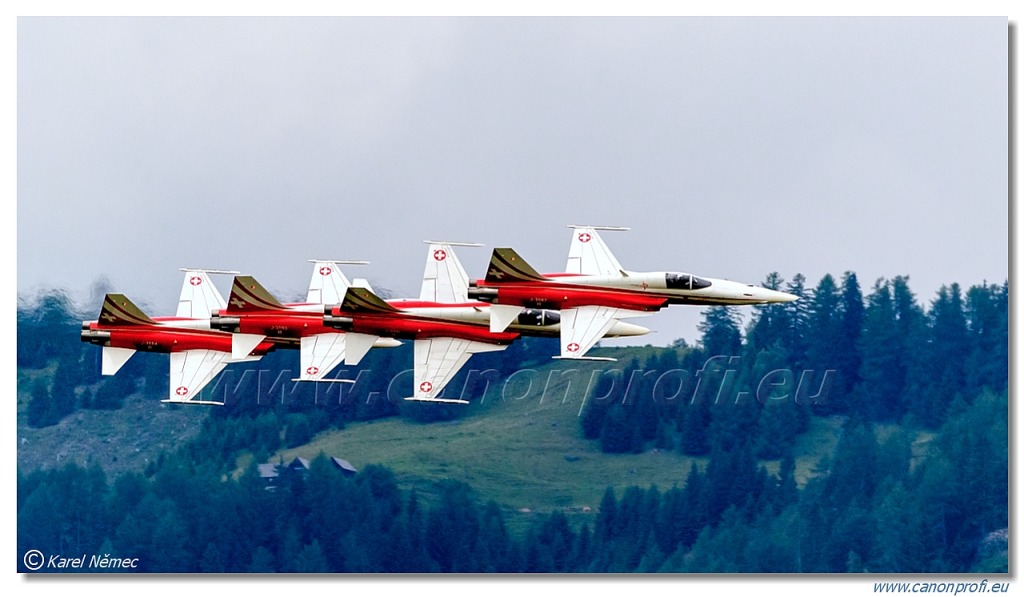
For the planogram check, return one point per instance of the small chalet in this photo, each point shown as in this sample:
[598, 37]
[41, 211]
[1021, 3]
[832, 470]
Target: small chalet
[271, 472]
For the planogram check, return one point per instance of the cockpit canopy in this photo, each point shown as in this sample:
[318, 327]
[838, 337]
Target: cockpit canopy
[685, 282]
[539, 317]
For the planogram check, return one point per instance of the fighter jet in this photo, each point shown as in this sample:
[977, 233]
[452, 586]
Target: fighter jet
[441, 346]
[445, 290]
[446, 326]
[197, 353]
[595, 291]
[253, 315]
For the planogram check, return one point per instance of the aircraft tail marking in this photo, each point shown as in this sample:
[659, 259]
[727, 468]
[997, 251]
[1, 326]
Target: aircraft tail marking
[118, 310]
[363, 300]
[508, 266]
[249, 295]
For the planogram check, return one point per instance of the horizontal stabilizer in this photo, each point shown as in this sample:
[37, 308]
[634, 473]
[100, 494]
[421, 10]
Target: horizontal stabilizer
[242, 345]
[325, 380]
[502, 316]
[115, 358]
[357, 345]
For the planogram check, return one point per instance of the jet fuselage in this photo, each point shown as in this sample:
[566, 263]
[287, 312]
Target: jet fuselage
[426, 320]
[531, 322]
[643, 291]
[170, 335]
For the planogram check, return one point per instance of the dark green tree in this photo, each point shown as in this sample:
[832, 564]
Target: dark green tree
[453, 529]
[881, 373]
[720, 331]
[38, 412]
[848, 355]
[988, 340]
[825, 342]
[935, 373]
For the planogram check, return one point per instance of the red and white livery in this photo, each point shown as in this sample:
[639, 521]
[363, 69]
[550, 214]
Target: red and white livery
[197, 353]
[595, 291]
[253, 315]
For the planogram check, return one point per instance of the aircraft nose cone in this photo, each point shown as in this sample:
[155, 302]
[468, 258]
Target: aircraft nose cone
[775, 296]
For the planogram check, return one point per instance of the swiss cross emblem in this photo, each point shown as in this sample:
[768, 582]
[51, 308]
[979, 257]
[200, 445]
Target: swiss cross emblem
[195, 280]
[312, 370]
[181, 391]
[584, 237]
[426, 386]
[573, 347]
[440, 255]
[325, 271]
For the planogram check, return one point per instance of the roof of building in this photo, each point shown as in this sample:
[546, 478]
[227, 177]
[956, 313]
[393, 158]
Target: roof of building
[343, 464]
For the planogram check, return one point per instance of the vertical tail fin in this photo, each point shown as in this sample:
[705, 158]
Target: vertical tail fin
[328, 284]
[249, 295]
[588, 255]
[362, 283]
[118, 310]
[363, 300]
[507, 266]
[199, 298]
[444, 279]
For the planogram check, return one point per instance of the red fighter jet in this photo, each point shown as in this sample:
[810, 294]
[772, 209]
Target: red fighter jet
[253, 315]
[446, 326]
[441, 346]
[197, 353]
[595, 291]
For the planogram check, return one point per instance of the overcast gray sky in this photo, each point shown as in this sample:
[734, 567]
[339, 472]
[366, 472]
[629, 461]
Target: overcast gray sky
[733, 147]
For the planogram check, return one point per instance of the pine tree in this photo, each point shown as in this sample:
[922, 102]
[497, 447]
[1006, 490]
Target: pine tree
[848, 355]
[878, 393]
[453, 529]
[693, 422]
[825, 335]
[619, 433]
[720, 331]
[798, 322]
[935, 373]
[988, 340]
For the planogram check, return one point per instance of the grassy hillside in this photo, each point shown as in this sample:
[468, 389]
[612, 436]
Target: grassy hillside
[522, 446]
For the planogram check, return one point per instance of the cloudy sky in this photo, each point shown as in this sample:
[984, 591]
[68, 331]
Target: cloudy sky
[732, 147]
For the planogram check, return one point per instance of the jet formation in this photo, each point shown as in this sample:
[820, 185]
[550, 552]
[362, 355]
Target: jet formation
[452, 319]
